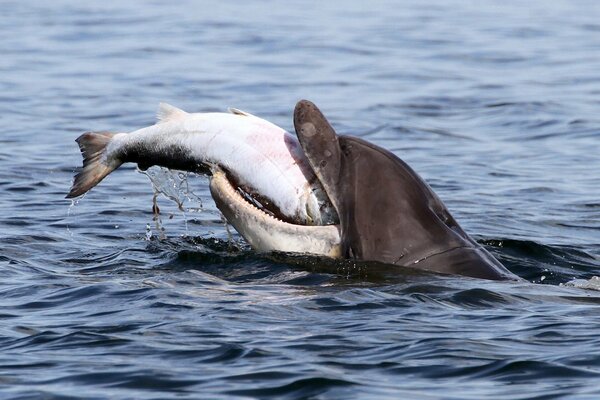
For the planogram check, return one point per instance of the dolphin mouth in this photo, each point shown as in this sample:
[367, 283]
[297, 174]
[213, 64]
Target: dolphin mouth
[435, 254]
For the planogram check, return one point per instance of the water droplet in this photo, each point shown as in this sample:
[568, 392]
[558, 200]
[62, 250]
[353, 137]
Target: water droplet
[148, 232]
[174, 185]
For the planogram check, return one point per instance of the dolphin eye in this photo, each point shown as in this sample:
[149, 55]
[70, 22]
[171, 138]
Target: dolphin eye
[445, 217]
[442, 212]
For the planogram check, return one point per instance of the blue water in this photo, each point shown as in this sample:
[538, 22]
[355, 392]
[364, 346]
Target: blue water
[495, 104]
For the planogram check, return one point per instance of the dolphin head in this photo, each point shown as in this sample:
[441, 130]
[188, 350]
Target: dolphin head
[387, 212]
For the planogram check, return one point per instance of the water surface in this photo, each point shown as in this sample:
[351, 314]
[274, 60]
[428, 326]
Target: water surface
[496, 106]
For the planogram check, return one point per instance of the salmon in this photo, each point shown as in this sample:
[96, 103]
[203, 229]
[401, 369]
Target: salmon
[260, 159]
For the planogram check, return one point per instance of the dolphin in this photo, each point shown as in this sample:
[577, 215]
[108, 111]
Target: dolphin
[386, 210]
[387, 213]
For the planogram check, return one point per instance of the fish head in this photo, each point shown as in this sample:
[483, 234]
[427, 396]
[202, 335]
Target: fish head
[264, 231]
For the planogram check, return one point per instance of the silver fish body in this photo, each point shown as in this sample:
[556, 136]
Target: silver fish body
[259, 158]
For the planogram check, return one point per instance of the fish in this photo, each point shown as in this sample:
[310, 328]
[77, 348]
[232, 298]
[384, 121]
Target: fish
[261, 160]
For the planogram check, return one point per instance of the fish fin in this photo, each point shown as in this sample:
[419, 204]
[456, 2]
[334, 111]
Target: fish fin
[239, 112]
[95, 165]
[167, 112]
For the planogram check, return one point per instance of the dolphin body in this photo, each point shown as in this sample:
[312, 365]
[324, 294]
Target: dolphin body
[387, 213]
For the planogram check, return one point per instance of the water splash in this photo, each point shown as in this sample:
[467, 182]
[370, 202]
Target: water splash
[156, 217]
[174, 185]
[70, 209]
[591, 284]
[148, 233]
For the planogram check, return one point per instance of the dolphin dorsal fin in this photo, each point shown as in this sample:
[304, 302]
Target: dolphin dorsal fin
[239, 112]
[167, 112]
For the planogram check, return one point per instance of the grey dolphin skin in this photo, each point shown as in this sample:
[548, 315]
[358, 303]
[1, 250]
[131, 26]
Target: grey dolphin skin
[387, 212]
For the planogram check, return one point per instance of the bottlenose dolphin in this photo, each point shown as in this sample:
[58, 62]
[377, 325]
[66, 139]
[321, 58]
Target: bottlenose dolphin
[387, 213]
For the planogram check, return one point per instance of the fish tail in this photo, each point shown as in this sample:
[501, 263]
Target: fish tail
[96, 163]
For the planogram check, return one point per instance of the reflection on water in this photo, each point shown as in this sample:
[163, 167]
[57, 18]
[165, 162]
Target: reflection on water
[496, 105]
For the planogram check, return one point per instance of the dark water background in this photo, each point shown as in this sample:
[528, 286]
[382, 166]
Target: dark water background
[497, 105]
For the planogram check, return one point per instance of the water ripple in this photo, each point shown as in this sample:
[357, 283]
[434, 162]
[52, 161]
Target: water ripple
[498, 111]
